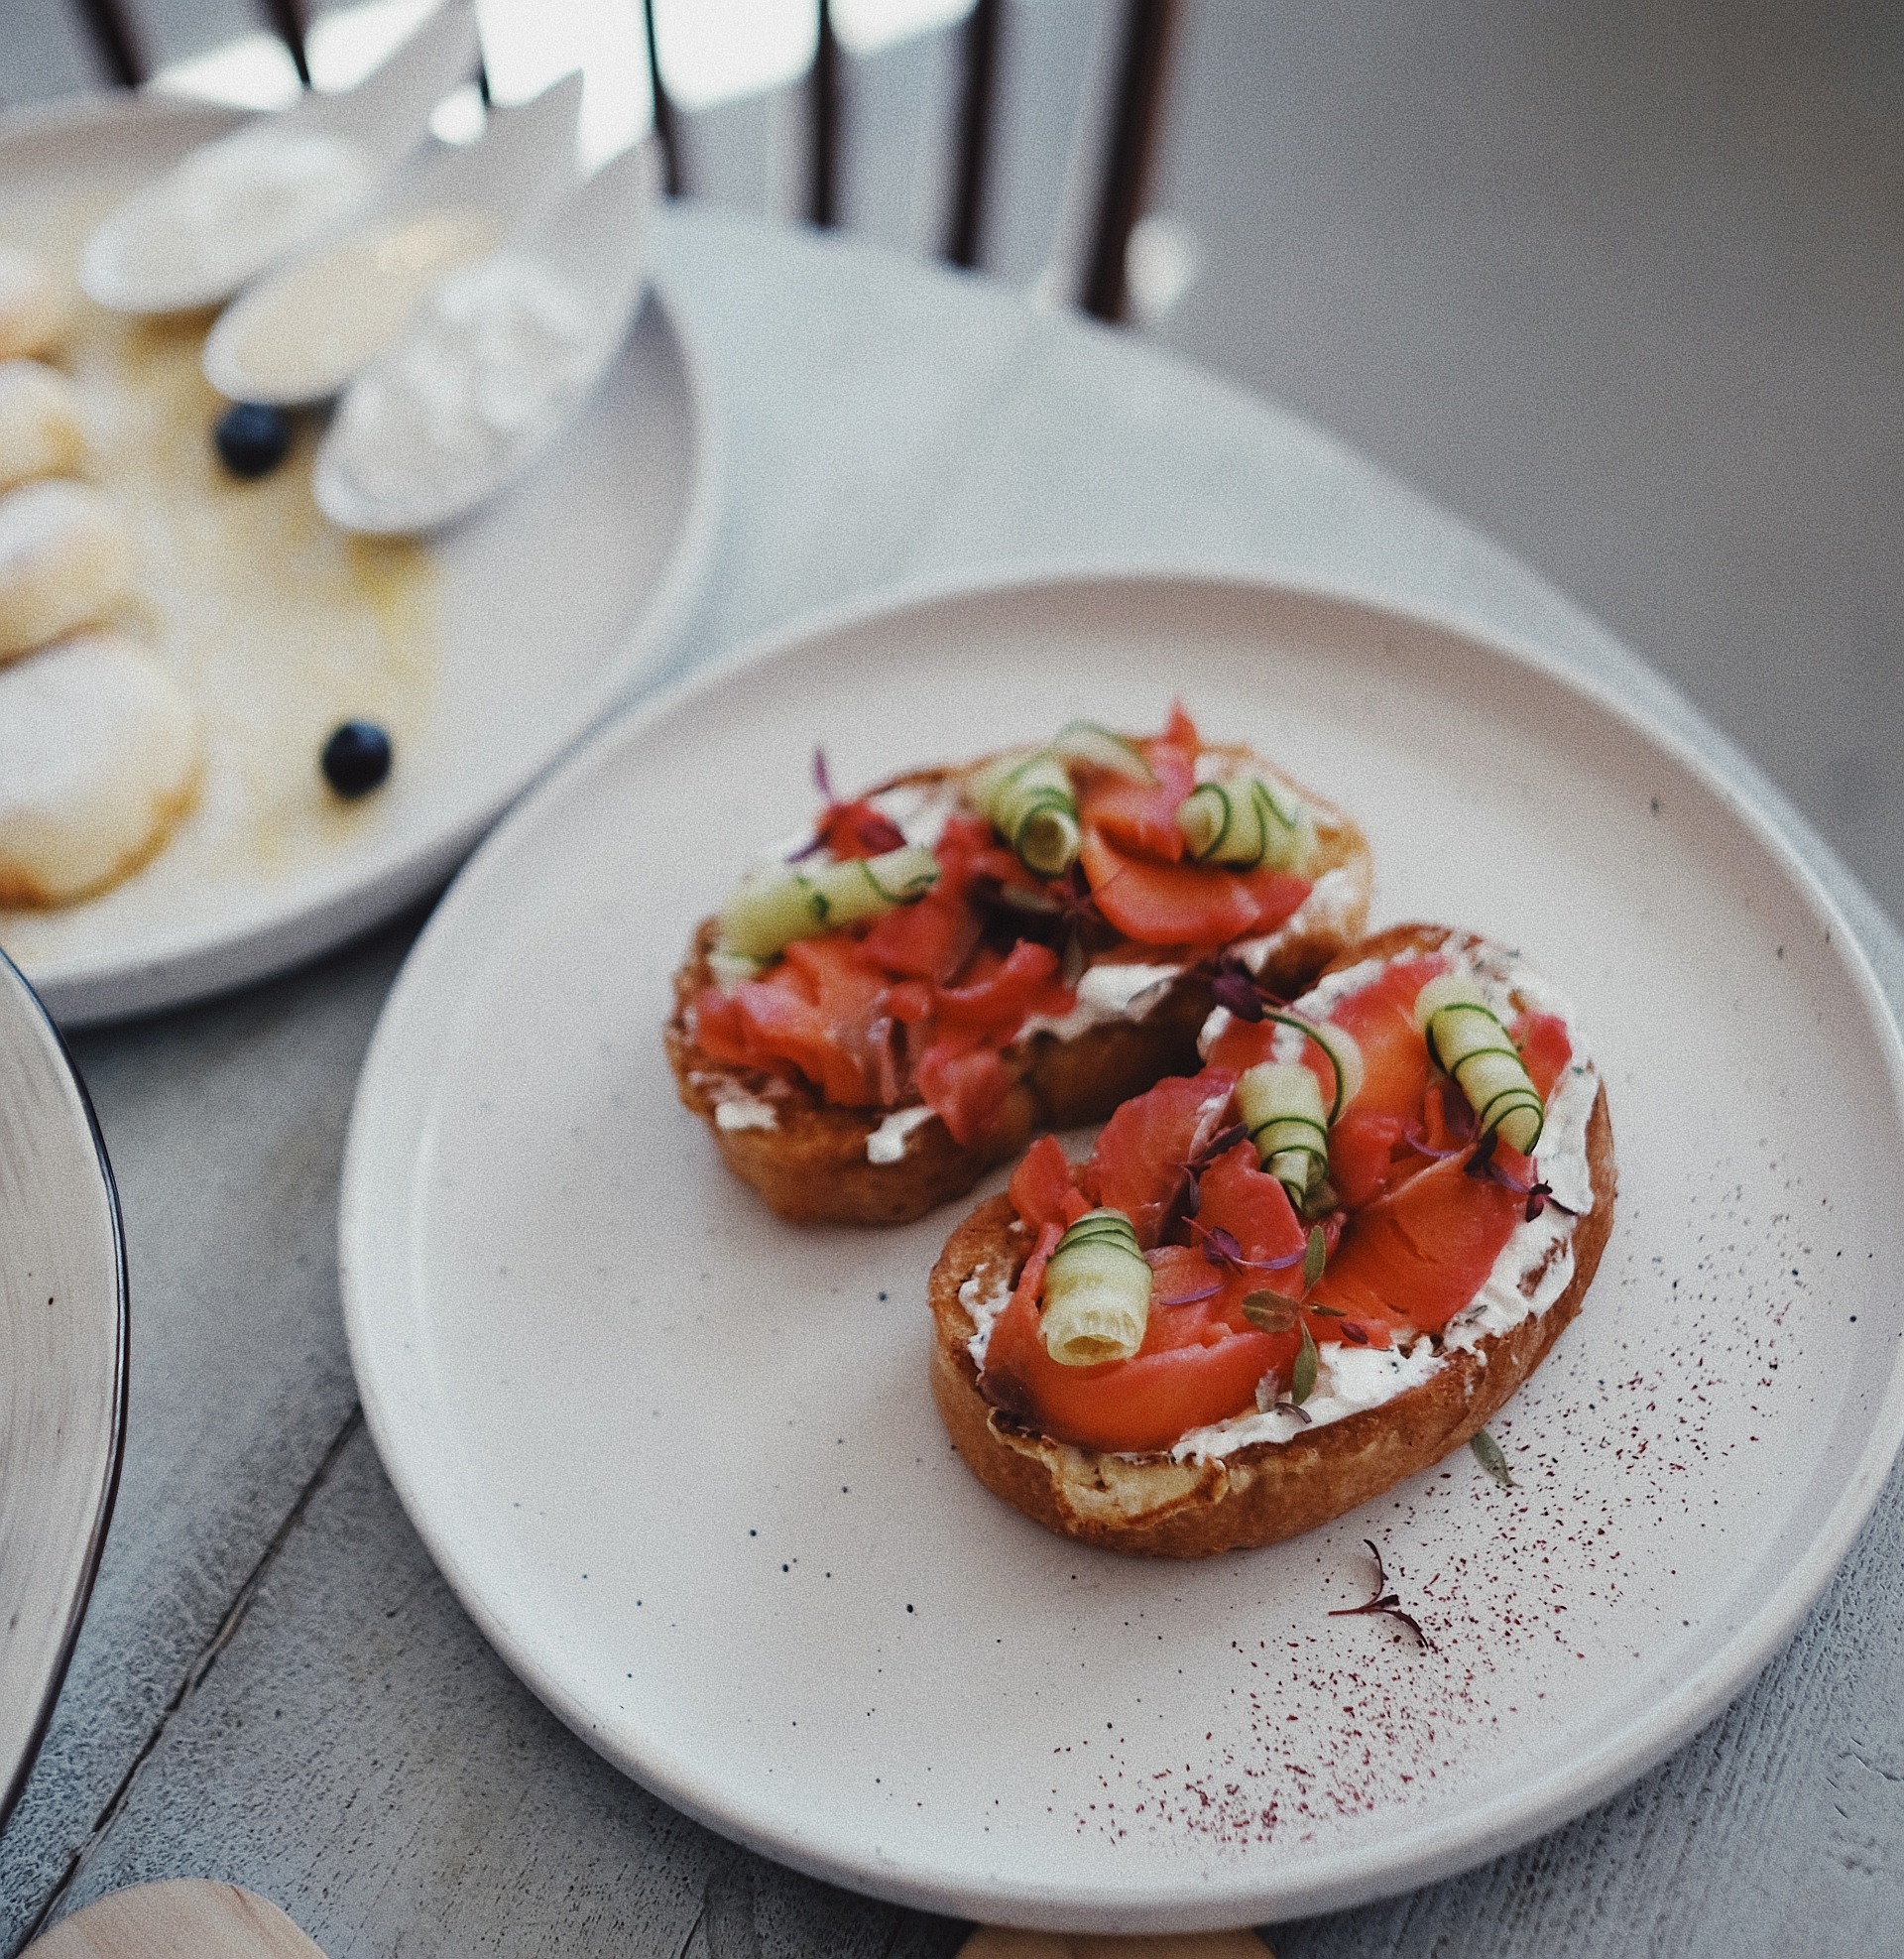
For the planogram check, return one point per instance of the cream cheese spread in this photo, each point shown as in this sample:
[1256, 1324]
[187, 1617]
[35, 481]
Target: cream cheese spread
[1112, 990]
[886, 1143]
[984, 1299]
[744, 1111]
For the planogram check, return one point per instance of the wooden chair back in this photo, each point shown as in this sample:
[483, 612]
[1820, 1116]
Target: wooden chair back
[1106, 171]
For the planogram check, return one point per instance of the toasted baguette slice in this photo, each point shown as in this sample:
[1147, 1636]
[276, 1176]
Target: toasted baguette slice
[809, 1160]
[1157, 1506]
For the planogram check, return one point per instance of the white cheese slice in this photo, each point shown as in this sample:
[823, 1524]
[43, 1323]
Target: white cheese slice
[99, 757]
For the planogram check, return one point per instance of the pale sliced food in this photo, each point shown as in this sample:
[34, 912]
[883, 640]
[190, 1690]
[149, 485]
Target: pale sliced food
[65, 559]
[41, 429]
[34, 305]
[99, 758]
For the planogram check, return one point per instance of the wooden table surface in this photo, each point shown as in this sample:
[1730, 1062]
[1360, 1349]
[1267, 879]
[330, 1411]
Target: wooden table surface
[274, 1686]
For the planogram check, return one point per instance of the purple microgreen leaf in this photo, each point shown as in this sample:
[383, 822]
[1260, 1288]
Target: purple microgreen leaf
[1357, 1336]
[1185, 1199]
[879, 833]
[1219, 1145]
[1539, 1195]
[1387, 1603]
[821, 778]
[1221, 1250]
[1303, 1415]
[1416, 1139]
[1236, 992]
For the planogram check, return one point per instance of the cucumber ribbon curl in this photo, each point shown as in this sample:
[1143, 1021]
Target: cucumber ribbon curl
[1097, 1292]
[1466, 1040]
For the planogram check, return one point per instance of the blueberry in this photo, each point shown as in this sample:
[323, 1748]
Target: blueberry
[252, 438]
[356, 758]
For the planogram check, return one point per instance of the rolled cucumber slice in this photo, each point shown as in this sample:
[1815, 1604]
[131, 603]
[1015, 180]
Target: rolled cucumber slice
[1466, 1039]
[1248, 823]
[1340, 1046]
[1097, 1292]
[1281, 1103]
[767, 915]
[1027, 797]
[1100, 748]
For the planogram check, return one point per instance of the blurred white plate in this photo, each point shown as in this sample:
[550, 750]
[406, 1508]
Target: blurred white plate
[681, 1460]
[62, 1368]
[553, 604]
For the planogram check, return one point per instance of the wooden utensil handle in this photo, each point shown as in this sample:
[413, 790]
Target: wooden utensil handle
[182, 1918]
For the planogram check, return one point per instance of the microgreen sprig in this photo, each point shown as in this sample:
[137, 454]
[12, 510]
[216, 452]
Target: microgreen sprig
[1384, 1602]
[855, 825]
[1483, 1168]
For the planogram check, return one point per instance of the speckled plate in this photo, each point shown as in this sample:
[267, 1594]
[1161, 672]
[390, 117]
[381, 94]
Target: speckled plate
[62, 1368]
[487, 651]
[681, 1460]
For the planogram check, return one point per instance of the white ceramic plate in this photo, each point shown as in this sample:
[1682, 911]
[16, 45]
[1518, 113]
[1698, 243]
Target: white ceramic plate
[550, 605]
[62, 1368]
[680, 1461]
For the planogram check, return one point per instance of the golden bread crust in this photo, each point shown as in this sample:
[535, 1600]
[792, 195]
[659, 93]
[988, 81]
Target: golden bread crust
[810, 1166]
[1263, 1492]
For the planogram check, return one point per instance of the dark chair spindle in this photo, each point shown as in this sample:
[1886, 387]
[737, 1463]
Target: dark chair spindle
[287, 21]
[1148, 29]
[977, 100]
[1136, 118]
[666, 134]
[824, 86]
[114, 42]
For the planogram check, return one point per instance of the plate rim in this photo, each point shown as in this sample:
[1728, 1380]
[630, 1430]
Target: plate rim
[1338, 1880]
[344, 898]
[60, 1057]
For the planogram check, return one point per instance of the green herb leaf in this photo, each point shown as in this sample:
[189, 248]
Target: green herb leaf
[1313, 1258]
[1303, 1382]
[1489, 1453]
[1270, 1312]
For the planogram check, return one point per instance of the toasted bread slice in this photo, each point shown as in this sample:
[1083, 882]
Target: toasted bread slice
[812, 1162]
[1160, 1506]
